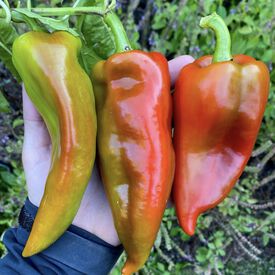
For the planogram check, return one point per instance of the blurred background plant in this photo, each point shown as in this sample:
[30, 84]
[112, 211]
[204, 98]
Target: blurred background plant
[238, 236]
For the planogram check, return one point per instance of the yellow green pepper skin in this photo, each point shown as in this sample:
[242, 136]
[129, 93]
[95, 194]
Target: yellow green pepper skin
[62, 93]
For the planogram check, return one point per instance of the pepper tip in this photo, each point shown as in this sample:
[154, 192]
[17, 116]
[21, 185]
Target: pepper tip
[29, 250]
[129, 268]
[188, 224]
[26, 253]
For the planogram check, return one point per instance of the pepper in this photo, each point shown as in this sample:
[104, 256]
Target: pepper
[134, 109]
[218, 108]
[62, 93]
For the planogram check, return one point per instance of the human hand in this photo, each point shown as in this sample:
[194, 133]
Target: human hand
[94, 214]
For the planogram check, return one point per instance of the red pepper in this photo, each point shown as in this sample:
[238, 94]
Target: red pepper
[218, 108]
[134, 111]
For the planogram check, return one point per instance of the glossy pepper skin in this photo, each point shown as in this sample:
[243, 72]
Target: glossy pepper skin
[63, 95]
[134, 108]
[218, 109]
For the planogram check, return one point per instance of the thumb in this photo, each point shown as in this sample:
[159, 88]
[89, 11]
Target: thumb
[176, 64]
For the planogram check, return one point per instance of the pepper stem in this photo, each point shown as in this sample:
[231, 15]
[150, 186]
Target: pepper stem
[7, 11]
[63, 11]
[121, 38]
[223, 43]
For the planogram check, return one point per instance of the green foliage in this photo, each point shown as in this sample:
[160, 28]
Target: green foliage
[4, 105]
[98, 41]
[7, 36]
[12, 194]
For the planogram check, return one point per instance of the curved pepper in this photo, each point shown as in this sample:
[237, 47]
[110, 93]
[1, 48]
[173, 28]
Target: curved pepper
[63, 95]
[134, 109]
[218, 109]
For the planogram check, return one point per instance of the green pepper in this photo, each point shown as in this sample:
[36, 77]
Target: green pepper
[62, 93]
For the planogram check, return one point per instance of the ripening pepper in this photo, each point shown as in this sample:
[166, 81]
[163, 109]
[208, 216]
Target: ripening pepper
[134, 109]
[62, 93]
[219, 104]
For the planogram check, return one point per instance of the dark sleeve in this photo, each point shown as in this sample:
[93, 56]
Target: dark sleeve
[76, 252]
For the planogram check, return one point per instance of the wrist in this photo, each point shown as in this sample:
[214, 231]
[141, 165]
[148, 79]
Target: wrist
[76, 250]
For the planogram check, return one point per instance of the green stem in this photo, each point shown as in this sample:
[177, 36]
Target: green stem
[5, 48]
[29, 4]
[7, 3]
[121, 38]
[63, 11]
[7, 11]
[223, 43]
[111, 5]
[66, 17]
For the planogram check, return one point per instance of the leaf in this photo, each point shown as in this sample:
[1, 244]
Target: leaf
[8, 177]
[211, 246]
[161, 266]
[201, 254]
[249, 21]
[266, 40]
[55, 2]
[17, 122]
[218, 242]
[4, 105]
[158, 240]
[220, 264]
[232, 17]
[7, 36]
[252, 43]
[221, 252]
[222, 11]
[266, 239]
[5, 222]
[99, 42]
[88, 59]
[207, 6]
[159, 23]
[245, 30]
[98, 36]
[49, 24]
[239, 44]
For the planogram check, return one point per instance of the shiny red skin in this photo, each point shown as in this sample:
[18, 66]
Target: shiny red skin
[218, 109]
[137, 161]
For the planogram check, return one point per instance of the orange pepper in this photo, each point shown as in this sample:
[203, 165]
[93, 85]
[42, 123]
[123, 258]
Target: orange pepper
[134, 110]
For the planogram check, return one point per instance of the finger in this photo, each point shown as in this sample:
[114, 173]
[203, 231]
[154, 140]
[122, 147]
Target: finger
[176, 64]
[36, 134]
